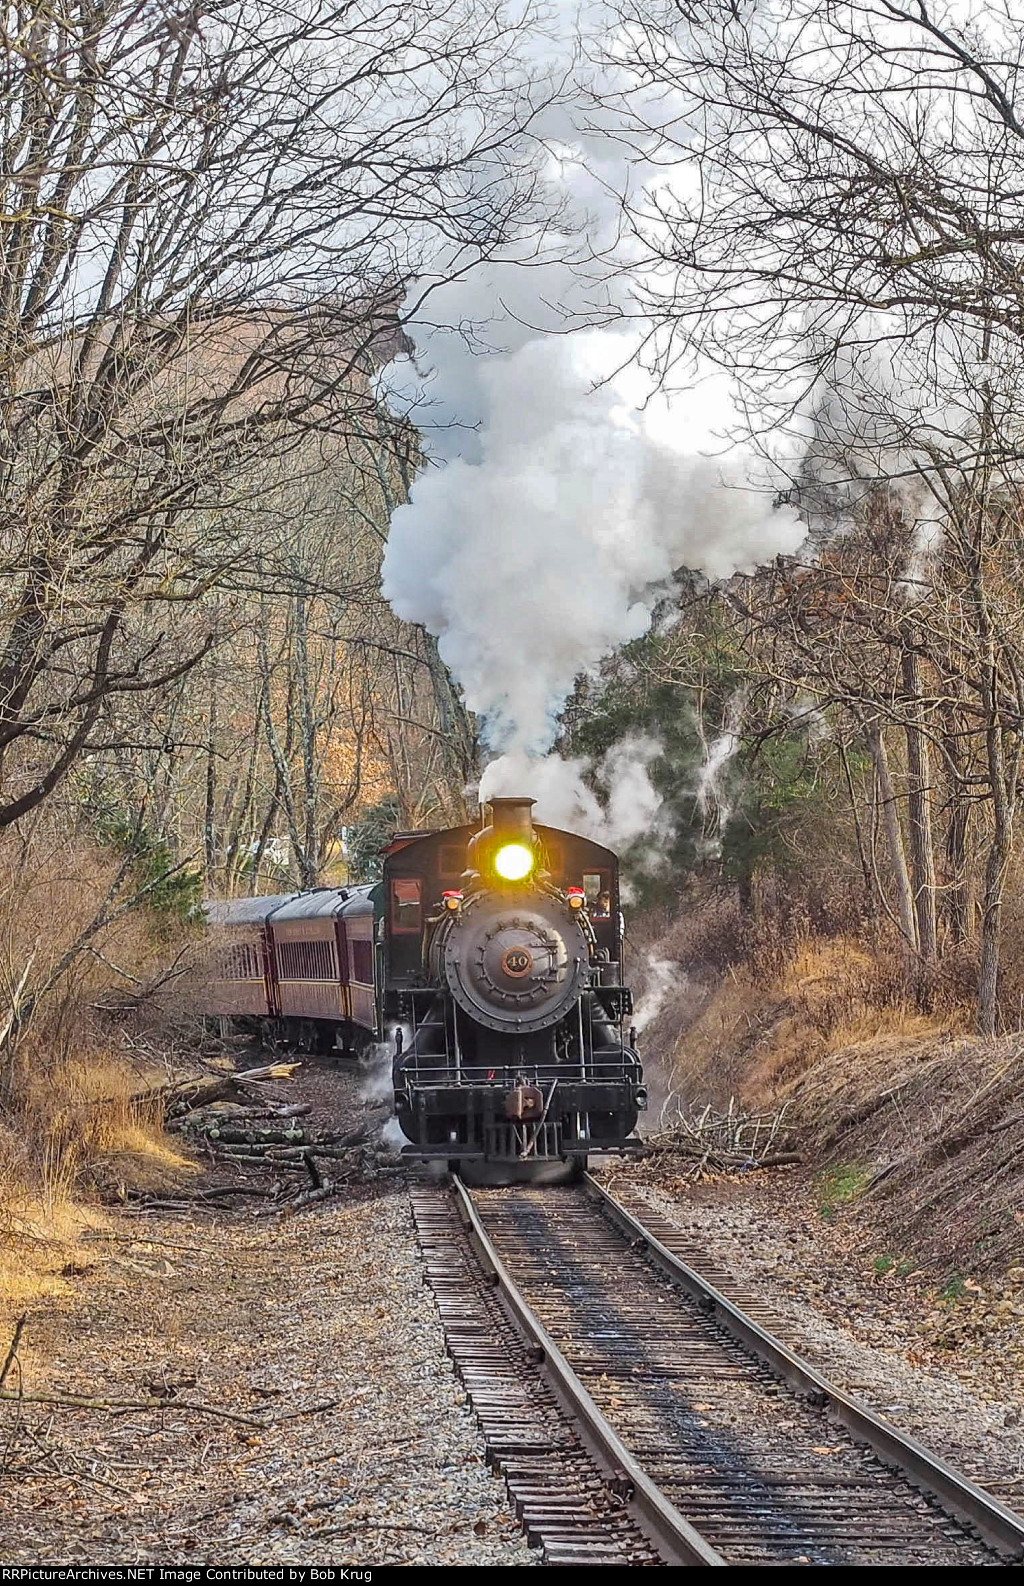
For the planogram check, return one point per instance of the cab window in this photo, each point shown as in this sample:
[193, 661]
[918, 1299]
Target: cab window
[597, 891]
[406, 904]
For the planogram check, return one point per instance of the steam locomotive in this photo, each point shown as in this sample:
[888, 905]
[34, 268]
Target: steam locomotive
[493, 958]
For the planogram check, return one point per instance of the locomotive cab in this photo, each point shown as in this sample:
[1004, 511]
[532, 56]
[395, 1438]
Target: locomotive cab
[501, 973]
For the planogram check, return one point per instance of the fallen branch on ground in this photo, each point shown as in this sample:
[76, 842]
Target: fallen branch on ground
[310, 1409]
[724, 1142]
[308, 1198]
[372, 1525]
[74, 1401]
[185, 1095]
[12, 1353]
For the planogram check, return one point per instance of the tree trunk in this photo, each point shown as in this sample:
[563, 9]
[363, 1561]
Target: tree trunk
[210, 811]
[309, 857]
[922, 850]
[958, 884]
[1002, 774]
[897, 858]
[870, 899]
[1003, 783]
[991, 924]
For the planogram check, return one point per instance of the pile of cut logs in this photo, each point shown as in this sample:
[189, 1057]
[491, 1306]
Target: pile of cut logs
[231, 1120]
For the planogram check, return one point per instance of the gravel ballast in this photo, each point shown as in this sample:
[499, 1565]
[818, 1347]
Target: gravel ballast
[319, 1325]
[949, 1370]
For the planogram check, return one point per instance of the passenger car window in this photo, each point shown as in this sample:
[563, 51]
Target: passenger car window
[362, 962]
[406, 904]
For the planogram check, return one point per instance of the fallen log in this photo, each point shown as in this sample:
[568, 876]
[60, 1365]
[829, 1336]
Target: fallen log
[256, 1137]
[280, 1155]
[223, 1115]
[333, 1153]
[355, 1136]
[185, 1095]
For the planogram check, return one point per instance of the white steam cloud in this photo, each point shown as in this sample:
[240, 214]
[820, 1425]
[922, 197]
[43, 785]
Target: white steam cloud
[661, 976]
[713, 797]
[569, 494]
[629, 809]
[375, 1074]
[532, 563]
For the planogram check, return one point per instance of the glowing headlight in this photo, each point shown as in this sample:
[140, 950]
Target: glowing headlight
[513, 862]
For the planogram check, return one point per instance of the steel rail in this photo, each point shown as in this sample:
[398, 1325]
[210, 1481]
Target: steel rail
[955, 1492]
[670, 1532]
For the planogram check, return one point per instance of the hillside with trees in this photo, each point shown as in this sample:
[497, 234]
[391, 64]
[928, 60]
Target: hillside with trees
[204, 268]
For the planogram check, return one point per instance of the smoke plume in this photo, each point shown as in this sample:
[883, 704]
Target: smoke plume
[564, 494]
[629, 806]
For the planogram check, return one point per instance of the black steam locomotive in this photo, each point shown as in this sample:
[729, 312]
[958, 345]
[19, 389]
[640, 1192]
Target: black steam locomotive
[492, 957]
[501, 968]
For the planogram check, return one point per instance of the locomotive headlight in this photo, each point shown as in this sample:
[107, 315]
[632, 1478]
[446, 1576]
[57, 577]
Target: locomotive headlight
[513, 861]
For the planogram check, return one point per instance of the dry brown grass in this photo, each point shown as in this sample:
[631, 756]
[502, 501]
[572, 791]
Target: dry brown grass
[83, 1134]
[874, 1061]
[80, 1136]
[89, 1124]
[939, 1122]
[72, 1130]
[759, 1033]
[42, 1247]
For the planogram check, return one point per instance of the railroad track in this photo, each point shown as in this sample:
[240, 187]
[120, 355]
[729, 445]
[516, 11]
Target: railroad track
[641, 1415]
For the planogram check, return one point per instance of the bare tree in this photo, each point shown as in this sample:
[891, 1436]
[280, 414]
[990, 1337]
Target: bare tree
[850, 251]
[207, 218]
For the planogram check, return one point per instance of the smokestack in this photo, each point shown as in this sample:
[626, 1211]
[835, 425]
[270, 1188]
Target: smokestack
[507, 820]
[511, 820]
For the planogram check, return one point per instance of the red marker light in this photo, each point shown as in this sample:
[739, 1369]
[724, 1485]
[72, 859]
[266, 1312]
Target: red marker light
[451, 900]
[576, 897]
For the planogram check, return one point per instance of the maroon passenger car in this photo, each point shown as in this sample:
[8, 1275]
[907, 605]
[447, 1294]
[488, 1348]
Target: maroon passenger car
[301, 965]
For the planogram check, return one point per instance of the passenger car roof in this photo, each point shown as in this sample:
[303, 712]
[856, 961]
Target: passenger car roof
[244, 911]
[323, 902]
[316, 904]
